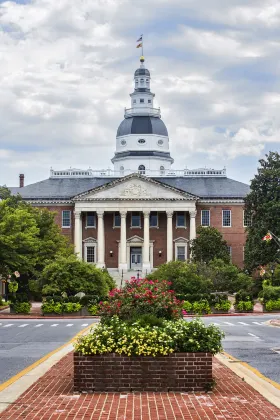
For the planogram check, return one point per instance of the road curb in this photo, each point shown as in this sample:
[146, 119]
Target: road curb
[265, 386]
[11, 390]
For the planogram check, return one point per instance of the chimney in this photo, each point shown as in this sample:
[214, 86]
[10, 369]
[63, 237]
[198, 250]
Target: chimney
[21, 180]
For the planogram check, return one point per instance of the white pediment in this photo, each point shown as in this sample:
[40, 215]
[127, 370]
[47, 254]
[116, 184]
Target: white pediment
[135, 188]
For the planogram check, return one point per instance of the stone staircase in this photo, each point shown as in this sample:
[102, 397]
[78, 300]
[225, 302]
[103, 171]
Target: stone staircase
[120, 279]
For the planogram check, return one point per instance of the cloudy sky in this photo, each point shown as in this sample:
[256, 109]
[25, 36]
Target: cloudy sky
[66, 71]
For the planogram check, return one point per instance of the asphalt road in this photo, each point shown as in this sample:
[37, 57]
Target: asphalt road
[22, 342]
[250, 340]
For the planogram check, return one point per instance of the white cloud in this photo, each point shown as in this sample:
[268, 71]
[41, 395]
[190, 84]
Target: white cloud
[67, 68]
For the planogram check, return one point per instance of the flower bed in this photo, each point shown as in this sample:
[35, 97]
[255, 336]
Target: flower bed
[116, 373]
[173, 355]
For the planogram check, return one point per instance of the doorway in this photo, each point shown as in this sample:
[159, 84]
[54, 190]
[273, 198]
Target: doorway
[136, 258]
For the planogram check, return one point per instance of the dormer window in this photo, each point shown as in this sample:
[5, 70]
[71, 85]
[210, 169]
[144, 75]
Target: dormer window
[141, 169]
[141, 101]
[141, 141]
[141, 81]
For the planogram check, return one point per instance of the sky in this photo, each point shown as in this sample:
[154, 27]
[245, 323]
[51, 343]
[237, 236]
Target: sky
[66, 71]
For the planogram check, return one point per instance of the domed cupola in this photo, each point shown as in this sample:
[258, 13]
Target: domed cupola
[142, 137]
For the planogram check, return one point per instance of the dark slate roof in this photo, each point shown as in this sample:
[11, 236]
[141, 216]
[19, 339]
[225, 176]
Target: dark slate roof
[142, 72]
[66, 188]
[142, 125]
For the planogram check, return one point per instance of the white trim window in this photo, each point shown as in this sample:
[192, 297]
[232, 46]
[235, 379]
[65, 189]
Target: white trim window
[117, 220]
[154, 219]
[226, 218]
[180, 219]
[135, 219]
[66, 218]
[205, 217]
[247, 219]
[181, 252]
[90, 253]
[90, 219]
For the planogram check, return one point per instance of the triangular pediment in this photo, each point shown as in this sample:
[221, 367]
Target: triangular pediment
[135, 187]
[135, 239]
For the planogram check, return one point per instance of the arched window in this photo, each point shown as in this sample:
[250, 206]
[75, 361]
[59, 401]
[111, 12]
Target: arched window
[121, 170]
[162, 170]
[142, 81]
[141, 169]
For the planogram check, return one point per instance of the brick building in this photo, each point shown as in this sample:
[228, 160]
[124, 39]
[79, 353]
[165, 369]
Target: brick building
[142, 213]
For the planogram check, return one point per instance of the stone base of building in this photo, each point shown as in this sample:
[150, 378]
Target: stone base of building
[116, 373]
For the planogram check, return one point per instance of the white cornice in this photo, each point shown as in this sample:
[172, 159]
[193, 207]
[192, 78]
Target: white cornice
[51, 201]
[221, 201]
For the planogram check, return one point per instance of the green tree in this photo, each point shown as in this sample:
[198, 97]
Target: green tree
[185, 279]
[208, 245]
[227, 277]
[70, 275]
[19, 241]
[263, 203]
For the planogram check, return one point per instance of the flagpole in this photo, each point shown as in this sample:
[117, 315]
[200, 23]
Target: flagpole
[142, 46]
[276, 239]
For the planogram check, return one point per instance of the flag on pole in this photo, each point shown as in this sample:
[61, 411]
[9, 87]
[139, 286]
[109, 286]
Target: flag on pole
[139, 45]
[140, 39]
[267, 237]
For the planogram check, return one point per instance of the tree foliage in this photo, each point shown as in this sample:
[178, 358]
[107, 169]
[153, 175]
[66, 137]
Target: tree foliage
[29, 237]
[70, 275]
[209, 245]
[263, 203]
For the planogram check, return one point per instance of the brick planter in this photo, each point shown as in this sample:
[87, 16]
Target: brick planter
[114, 373]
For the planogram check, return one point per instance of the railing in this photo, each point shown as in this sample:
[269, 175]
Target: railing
[152, 112]
[109, 173]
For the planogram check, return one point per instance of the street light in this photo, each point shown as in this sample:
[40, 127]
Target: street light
[272, 269]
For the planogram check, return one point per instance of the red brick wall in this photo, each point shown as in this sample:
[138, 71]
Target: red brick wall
[69, 232]
[180, 372]
[234, 235]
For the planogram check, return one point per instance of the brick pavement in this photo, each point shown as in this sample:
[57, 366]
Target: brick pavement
[52, 398]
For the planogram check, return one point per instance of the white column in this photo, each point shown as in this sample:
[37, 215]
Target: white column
[123, 261]
[101, 240]
[192, 225]
[78, 233]
[169, 256]
[146, 266]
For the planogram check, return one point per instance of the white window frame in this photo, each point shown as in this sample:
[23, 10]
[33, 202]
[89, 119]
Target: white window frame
[90, 227]
[226, 226]
[249, 225]
[185, 220]
[135, 227]
[90, 244]
[209, 217]
[62, 225]
[157, 225]
[114, 226]
[181, 245]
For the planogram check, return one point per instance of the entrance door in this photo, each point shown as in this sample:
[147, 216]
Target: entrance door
[136, 258]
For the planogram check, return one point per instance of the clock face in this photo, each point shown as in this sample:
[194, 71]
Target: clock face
[160, 142]
[123, 142]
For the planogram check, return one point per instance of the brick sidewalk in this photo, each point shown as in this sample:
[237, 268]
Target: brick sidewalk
[52, 398]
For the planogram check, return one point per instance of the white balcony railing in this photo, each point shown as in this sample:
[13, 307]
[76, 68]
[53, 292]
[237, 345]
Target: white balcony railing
[109, 173]
[138, 111]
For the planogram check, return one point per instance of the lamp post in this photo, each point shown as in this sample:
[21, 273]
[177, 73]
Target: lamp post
[272, 270]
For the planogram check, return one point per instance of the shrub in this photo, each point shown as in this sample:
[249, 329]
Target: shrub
[52, 306]
[140, 297]
[138, 339]
[71, 275]
[93, 309]
[185, 279]
[270, 293]
[226, 277]
[187, 306]
[245, 305]
[89, 300]
[201, 307]
[272, 305]
[18, 297]
[243, 295]
[224, 306]
[21, 307]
